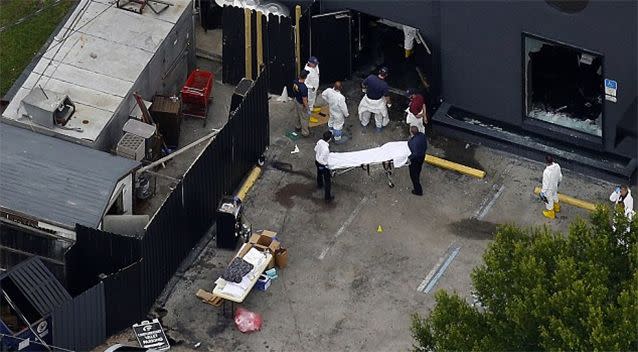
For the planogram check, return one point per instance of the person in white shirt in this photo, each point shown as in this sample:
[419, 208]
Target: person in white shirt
[322, 151]
[552, 177]
[623, 201]
[312, 82]
[338, 109]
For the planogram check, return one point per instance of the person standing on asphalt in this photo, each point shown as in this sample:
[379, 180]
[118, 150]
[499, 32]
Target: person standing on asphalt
[338, 110]
[312, 82]
[416, 112]
[321, 161]
[623, 201]
[552, 177]
[375, 101]
[418, 144]
[300, 92]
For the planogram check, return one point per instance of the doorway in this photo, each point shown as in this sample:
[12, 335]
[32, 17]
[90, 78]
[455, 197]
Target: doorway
[352, 44]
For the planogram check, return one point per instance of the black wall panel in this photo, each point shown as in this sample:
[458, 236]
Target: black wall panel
[80, 324]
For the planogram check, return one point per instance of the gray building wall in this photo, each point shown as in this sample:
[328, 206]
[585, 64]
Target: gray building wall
[478, 44]
[481, 52]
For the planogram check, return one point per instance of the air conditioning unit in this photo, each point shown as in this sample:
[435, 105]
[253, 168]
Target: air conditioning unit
[131, 146]
[48, 108]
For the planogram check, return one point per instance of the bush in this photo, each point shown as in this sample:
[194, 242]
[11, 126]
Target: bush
[540, 290]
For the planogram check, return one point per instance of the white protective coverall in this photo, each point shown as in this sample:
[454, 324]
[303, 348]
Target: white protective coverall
[409, 35]
[552, 176]
[412, 120]
[377, 107]
[628, 202]
[338, 108]
[312, 82]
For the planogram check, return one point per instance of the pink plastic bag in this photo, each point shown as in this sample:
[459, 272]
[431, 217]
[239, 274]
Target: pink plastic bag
[246, 320]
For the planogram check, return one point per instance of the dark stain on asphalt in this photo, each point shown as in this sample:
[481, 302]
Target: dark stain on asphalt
[286, 194]
[219, 326]
[474, 229]
[360, 285]
[287, 167]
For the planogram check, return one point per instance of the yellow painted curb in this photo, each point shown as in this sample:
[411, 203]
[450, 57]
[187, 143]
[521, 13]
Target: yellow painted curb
[571, 200]
[449, 165]
[249, 182]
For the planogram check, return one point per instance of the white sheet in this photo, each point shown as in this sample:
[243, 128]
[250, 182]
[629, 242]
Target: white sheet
[398, 152]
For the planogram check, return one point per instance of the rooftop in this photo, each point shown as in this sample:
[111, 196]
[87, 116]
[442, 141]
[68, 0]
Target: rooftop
[95, 59]
[56, 181]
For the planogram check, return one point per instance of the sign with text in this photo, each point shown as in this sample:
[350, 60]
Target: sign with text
[150, 334]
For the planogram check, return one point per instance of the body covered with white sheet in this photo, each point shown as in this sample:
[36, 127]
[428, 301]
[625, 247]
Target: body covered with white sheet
[397, 152]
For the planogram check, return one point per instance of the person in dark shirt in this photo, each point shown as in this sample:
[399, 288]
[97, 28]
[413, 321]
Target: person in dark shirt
[300, 92]
[375, 101]
[418, 144]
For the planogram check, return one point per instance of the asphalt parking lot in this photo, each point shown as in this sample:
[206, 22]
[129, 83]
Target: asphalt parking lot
[347, 286]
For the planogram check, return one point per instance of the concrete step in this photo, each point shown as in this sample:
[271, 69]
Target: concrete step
[605, 166]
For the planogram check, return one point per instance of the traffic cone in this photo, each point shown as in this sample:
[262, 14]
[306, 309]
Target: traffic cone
[379, 229]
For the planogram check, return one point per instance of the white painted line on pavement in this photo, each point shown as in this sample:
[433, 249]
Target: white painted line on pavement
[480, 214]
[431, 273]
[343, 227]
[433, 277]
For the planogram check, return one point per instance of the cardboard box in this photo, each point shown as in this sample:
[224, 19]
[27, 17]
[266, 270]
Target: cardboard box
[248, 246]
[264, 240]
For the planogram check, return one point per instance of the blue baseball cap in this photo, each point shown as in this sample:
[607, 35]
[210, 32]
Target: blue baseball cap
[313, 60]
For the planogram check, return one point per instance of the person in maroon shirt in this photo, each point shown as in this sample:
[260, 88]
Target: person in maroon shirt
[416, 112]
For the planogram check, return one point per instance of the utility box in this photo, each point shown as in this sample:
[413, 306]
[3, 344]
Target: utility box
[47, 108]
[242, 89]
[228, 222]
[166, 112]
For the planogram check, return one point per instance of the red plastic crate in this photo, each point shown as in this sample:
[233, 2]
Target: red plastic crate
[196, 93]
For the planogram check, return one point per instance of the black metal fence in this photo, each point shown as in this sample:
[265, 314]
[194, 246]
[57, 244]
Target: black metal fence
[131, 271]
[278, 48]
[80, 324]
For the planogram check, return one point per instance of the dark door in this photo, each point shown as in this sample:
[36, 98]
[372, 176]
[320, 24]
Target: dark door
[330, 35]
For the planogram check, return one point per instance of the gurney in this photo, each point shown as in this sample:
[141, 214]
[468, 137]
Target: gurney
[390, 155]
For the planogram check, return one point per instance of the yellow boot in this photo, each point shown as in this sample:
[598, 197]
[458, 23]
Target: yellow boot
[550, 214]
[556, 207]
[408, 53]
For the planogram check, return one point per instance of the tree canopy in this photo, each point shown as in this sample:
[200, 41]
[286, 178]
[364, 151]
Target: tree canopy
[541, 290]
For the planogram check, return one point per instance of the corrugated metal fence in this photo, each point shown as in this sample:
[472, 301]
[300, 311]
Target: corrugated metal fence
[80, 324]
[278, 50]
[135, 270]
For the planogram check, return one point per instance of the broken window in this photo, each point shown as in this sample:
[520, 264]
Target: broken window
[563, 85]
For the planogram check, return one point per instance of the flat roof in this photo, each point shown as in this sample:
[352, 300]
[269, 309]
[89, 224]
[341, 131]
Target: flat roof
[95, 59]
[56, 181]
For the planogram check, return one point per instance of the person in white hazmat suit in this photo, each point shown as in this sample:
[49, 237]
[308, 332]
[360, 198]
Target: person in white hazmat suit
[552, 177]
[409, 36]
[312, 81]
[338, 109]
[622, 199]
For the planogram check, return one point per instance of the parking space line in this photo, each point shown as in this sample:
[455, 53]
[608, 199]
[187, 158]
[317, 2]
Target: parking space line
[439, 269]
[343, 227]
[485, 208]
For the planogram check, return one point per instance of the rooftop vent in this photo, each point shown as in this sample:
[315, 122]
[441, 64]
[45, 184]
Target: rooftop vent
[48, 108]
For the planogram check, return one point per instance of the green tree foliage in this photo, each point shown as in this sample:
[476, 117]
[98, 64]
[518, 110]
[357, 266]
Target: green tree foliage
[540, 290]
